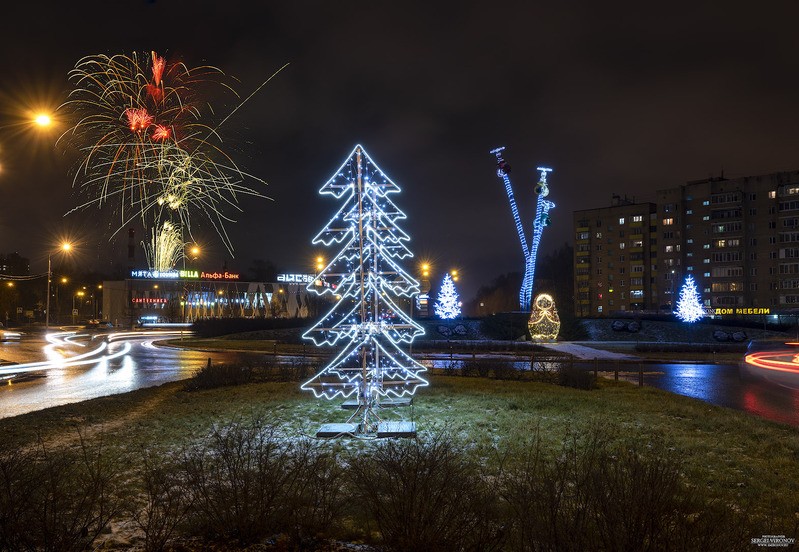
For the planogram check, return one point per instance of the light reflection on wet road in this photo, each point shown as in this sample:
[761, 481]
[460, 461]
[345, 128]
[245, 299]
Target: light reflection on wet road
[722, 385]
[145, 365]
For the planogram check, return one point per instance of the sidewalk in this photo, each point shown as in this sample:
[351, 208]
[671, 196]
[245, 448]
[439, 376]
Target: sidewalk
[586, 353]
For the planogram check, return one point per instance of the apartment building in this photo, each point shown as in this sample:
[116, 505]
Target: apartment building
[613, 254]
[739, 238]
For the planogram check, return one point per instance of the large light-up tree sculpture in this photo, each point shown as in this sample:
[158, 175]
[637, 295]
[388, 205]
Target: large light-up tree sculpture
[367, 280]
[540, 221]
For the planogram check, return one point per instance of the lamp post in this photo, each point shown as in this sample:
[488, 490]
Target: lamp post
[194, 252]
[66, 247]
[75, 310]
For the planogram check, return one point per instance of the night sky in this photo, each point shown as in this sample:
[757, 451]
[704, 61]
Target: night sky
[616, 98]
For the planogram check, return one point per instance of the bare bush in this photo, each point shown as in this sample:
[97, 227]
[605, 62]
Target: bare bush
[57, 500]
[17, 478]
[425, 496]
[212, 376]
[596, 495]
[239, 480]
[318, 497]
[164, 502]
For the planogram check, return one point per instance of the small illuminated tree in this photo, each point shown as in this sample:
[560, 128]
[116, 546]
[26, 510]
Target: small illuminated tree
[448, 304]
[689, 305]
[366, 279]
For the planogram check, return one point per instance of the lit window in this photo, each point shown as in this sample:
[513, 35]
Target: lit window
[638, 218]
[668, 221]
[772, 194]
[621, 220]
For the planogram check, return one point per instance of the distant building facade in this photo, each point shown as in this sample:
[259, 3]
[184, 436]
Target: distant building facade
[188, 295]
[13, 264]
[614, 250]
[739, 238]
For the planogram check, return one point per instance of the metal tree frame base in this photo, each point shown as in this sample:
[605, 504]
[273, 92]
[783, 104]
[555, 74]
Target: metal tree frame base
[366, 422]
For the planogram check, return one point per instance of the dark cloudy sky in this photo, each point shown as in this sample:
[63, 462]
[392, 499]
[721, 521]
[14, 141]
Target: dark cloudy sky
[616, 97]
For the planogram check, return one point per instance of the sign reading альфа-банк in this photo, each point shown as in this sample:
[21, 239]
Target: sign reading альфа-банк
[144, 274]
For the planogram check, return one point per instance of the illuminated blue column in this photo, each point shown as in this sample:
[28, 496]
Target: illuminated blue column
[539, 223]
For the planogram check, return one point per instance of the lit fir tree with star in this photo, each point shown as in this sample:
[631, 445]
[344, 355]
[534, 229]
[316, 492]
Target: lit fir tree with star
[448, 304]
[367, 281]
[689, 305]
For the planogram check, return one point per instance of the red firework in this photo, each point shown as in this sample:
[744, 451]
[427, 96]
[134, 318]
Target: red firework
[138, 118]
[161, 132]
[158, 68]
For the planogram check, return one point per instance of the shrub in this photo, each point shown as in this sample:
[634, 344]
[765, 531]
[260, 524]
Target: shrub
[164, 502]
[319, 500]
[57, 501]
[570, 375]
[505, 326]
[425, 496]
[213, 327]
[241, 481]
[597, 494]
[212, 376]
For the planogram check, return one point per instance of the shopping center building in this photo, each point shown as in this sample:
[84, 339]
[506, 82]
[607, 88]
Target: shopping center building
[189, 295]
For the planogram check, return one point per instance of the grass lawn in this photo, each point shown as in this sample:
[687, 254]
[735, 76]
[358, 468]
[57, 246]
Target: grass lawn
[729, 455]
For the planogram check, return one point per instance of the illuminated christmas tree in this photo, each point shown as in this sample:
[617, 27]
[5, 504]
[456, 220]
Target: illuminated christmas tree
[367, 280]
[689, 306]
[448, 304]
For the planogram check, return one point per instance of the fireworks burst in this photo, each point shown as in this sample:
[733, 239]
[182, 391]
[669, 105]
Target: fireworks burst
[165, 249]
[147, 148]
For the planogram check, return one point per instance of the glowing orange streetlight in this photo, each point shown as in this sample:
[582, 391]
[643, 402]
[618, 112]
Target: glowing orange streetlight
[43, 120]
[454, 274]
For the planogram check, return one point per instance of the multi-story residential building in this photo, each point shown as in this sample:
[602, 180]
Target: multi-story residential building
[739, 238]
[614, 251]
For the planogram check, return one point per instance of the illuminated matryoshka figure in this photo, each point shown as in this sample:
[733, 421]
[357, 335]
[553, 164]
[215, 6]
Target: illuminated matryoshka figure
[544, 323]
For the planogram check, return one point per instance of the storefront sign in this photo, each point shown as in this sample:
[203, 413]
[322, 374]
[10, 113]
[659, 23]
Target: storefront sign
[149, 300]
[219, 275]
[296, 278]
[141, 274]
[739, 311]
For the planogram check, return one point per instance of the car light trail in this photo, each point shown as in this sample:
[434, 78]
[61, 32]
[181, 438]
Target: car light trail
[91, 357]
[780, 361]
[96, 355]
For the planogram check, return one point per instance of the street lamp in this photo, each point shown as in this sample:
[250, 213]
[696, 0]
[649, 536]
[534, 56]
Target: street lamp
[74, 310]
[66, 247]
[43, 120]
[454, 274]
